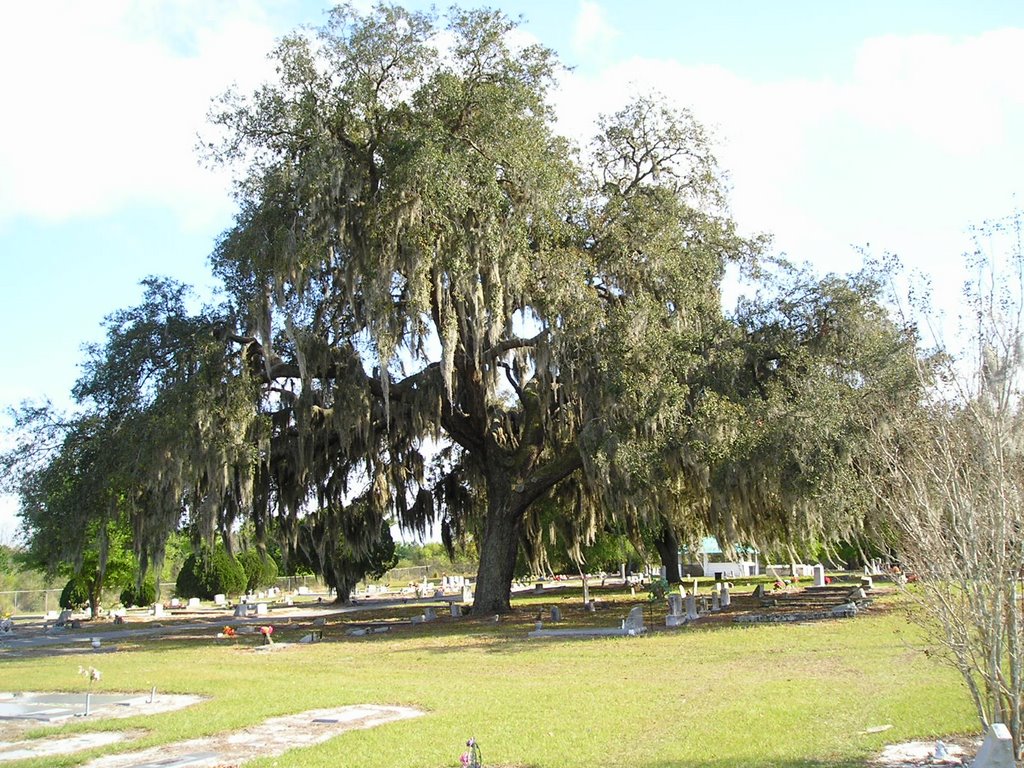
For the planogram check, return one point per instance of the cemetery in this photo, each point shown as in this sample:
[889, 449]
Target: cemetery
[399, 674]
[461, 301]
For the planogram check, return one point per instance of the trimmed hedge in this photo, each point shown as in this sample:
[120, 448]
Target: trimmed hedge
[210, 573]
[260, 572]
[75, 594]
[141, 597]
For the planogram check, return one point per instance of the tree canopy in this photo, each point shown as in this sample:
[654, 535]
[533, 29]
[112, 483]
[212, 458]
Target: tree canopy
[440, 310]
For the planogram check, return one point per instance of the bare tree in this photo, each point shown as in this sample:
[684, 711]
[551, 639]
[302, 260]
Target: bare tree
[950, 475]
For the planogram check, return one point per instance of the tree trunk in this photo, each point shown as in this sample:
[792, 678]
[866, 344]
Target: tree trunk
[95, 593]
[343, 580]
[497, 552]
[667, 545]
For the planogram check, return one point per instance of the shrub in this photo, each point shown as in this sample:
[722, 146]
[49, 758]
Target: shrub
[75, 594]
[146, 595]
[210, 573]
[260, 571]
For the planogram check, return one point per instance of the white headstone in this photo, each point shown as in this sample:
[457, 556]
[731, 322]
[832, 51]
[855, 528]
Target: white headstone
[726, 599]
[194, 602]
[220, 599]
[261, 609]
[675, 605]
[158, 609]
[819, 575]
[241, 610]
[467, 593]
[635, 620]
[997, 750]
[716, 601]
[691, 608]
[622, 571]
[175, 602]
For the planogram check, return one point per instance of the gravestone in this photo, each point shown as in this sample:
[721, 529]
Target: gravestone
[556, 614]
[675, 615]
[467, 593]
[220, 599]
[64, 618]
[194, 602]
[691, 608]
[241, 611]
[675, 605]
[866, 583]
[716, 601]
[590, 607]
[997, 749]
[726, 598]
[818, 572]
[261, 609]
[538, 588]
[456, 611]
[429, 613]
[320, 621]
[439, 594]
[158, 609]
[175, 602]
[634, 622]
[759, 592]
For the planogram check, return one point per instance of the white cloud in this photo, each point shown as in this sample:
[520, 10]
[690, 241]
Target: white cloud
[953, 94]
[918, 143]
[103, 102]
[592, 31]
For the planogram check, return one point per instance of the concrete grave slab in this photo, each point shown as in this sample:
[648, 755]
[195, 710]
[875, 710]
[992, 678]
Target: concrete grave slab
[194, 760]
[271, 738]
[23, 750]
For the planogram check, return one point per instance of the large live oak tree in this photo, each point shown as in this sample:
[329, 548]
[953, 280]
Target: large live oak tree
[419, 255]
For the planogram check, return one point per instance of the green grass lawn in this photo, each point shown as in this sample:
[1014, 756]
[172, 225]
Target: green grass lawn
[728, 695]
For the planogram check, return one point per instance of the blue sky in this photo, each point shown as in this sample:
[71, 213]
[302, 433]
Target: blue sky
[840, 124]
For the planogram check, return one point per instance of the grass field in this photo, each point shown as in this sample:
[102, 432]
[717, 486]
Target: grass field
[728, 695]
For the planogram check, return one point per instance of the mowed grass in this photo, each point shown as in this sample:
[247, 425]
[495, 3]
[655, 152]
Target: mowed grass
[727, 695]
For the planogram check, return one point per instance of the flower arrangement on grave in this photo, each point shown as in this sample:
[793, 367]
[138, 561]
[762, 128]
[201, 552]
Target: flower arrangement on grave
[91, 674]
[227, 632]
[471, 757]
[267, 631]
